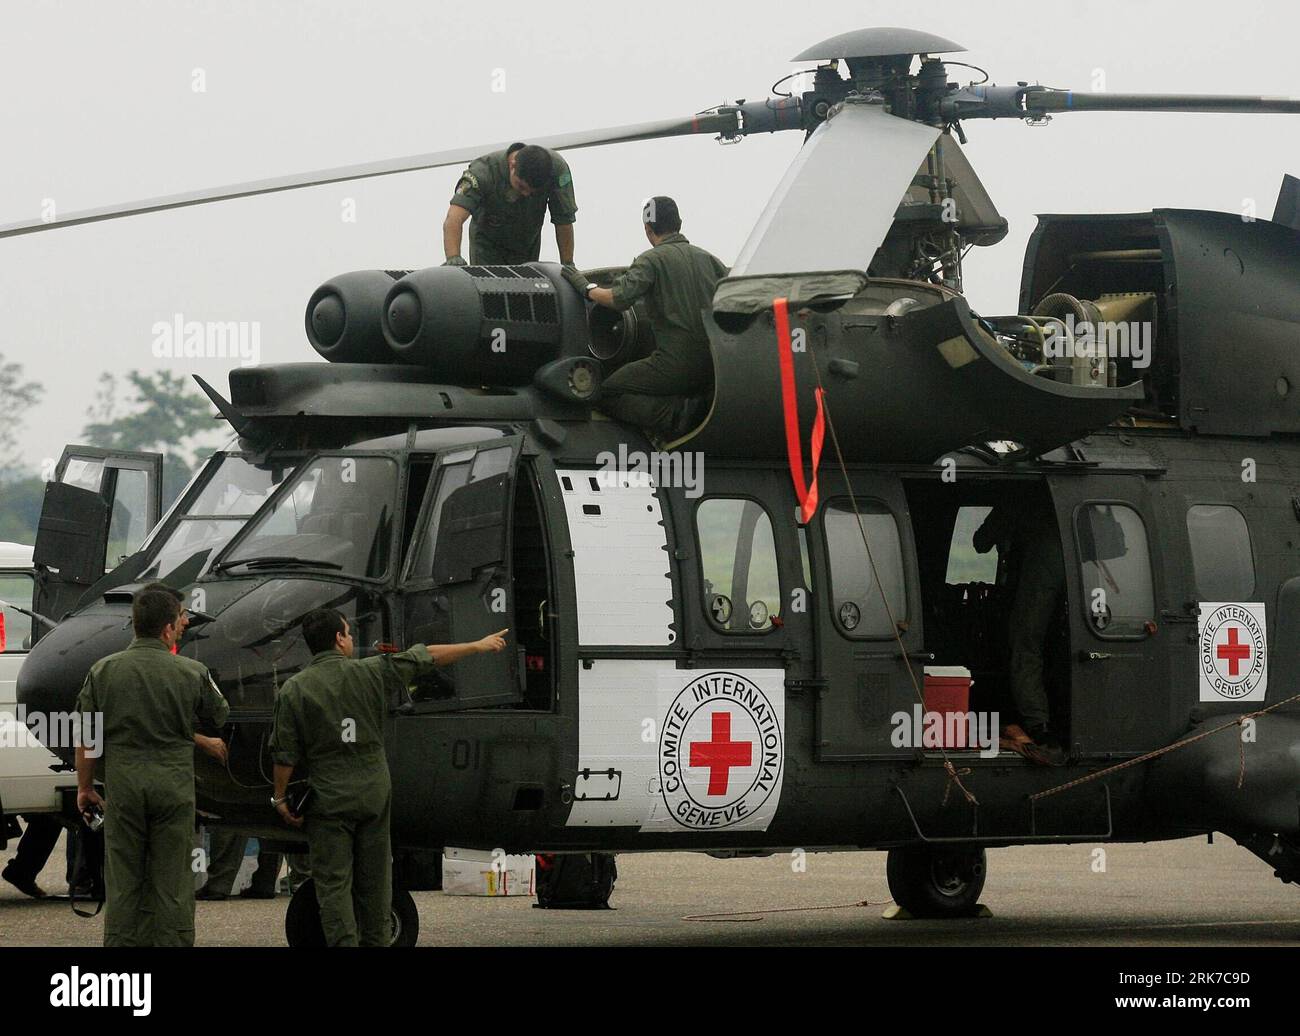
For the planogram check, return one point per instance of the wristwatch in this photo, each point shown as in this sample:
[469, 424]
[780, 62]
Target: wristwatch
[586, 292]
[276, 802]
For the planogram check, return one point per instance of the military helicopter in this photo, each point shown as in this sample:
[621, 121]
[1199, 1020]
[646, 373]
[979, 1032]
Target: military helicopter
[720, 666]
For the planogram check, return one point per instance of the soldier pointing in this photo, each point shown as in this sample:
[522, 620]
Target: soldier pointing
[329, 718]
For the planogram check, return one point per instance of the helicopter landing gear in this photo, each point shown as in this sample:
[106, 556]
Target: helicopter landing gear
[1281, 852]
[302, 927]
[406, 919]
[936, 883]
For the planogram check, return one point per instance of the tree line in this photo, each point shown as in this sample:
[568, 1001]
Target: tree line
[154, 411]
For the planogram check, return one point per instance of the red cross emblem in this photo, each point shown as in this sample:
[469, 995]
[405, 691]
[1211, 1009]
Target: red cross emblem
[721, 754]
[1235, 653]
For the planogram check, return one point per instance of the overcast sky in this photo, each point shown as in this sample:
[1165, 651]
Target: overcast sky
[101, 107]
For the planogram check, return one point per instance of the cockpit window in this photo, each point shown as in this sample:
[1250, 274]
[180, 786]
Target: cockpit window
[337, 513]
[233, 491]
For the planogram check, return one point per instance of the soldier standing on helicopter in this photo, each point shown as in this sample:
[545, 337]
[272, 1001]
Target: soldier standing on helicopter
[505, 196]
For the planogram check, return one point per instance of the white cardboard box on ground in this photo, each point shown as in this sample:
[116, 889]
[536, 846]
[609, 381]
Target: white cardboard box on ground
[476, 872]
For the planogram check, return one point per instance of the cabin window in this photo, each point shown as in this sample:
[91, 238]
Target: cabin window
[129, 524]
[742, 586]
[338, 514]
[857, 594]
[15, 588]
[1118, 598]
[235, 489]
[1221, 556]
[459, 469]
[965, 563]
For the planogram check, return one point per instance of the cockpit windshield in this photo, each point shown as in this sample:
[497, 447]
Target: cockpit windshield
[233, 490]
[336, 514]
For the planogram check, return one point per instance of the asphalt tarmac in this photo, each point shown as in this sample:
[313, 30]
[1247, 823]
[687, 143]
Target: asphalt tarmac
[1183, 893]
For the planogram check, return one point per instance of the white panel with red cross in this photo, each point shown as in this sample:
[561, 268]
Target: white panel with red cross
[721, 751]
[668, 749]
[1232, 651]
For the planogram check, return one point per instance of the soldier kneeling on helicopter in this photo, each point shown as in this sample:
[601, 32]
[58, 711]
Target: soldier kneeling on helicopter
[677, 280]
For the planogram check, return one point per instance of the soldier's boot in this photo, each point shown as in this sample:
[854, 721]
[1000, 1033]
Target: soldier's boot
[34, 849]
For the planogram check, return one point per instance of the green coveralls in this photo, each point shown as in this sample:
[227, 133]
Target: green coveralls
[677, 280]
[329, 719]
[150, 700]
[1039, 584]
[506, 227]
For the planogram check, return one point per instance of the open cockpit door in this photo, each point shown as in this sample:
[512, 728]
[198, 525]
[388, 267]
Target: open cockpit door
[457, 583]
[97, 511]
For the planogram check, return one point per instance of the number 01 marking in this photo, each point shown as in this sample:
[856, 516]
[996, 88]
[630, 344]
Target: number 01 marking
[465, 754]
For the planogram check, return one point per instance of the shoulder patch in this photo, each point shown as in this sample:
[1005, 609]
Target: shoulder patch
[468, 182]
[564, 179]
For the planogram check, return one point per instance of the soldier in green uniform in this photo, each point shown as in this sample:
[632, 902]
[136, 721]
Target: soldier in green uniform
[329, 718]
[1029, 530]
[677, 280]
[149, 701]
[505, 196]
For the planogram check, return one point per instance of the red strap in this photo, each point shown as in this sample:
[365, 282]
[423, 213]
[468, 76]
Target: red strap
[806, 495]
[818, 439]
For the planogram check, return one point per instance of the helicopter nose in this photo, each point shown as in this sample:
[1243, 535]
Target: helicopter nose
[328, 319]
[405, 316]
[54, 671]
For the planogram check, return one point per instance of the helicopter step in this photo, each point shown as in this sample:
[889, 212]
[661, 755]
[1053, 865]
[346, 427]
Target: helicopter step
[1034, 827]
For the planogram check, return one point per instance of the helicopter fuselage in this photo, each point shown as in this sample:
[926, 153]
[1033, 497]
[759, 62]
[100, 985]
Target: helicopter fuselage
[689, 668]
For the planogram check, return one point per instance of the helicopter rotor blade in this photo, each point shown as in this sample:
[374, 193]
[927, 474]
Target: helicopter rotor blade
[836, 202]
[726, 120]
[1035, 102]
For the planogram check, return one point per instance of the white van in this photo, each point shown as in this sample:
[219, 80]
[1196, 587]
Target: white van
[31, 776]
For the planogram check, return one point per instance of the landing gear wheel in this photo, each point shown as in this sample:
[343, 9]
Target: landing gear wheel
[936, 883]
[406, 919]
[302, 927]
